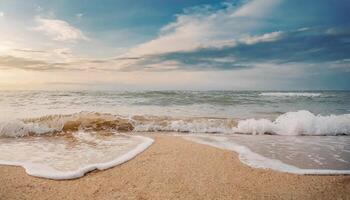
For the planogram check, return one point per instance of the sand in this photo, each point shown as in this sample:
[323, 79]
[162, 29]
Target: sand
[174, 168]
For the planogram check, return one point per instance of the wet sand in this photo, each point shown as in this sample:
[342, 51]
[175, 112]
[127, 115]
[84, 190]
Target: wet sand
[174, 168]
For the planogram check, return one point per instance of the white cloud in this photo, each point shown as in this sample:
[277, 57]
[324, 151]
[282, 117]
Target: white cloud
[256, 8]
[2, 14]
[340, 65]
[267, 37]
[59, 30]
[205, 27]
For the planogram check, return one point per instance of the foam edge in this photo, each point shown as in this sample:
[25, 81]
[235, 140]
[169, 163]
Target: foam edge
[43, 171]
[252, 159]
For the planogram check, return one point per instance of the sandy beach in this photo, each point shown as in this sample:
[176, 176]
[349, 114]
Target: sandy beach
[174, 168]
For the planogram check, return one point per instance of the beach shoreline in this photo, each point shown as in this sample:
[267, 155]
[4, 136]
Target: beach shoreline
[175, 168]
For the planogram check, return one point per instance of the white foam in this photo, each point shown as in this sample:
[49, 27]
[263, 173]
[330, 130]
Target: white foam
[56, 123]
[291, 123]
[255, 160]
[197, 125]
[290, 94]
[17, 128]
[297, 123]
[40, 166]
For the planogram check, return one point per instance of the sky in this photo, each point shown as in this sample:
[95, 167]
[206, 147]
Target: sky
[175, 45]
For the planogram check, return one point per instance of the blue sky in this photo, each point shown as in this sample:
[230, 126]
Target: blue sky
[239, 45]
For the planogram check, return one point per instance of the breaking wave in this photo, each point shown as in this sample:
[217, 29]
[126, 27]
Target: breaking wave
[58, 124]
[186, 125]
[297, 123]
[291, 123]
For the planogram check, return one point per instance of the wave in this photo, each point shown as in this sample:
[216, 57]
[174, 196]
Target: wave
[185, 125]
[290, 94]
[291, 123]
[60, 124]
[297, 123]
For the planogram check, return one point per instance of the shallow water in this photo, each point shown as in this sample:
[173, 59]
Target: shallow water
[66, 157]
[295, 154]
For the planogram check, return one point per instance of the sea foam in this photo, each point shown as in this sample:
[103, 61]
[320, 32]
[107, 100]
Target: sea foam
[256, 160]
[291, 123]
[53, 124]
[297, 123]
[59, 158]
[18, 128]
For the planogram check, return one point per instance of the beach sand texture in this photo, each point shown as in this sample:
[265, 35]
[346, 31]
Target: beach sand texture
[174, 168]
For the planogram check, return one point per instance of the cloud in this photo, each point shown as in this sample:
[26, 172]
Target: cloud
[17, 62]
[343, 64]
[220, 37]
[207, 26]
[11, 62]
[256, 8]
[29, 50]
[128, 58]
[306, 46]
[301, 47]
[267, 37]
[204, 27]
[65, 61]
[2, 14]
[58, 30]
[235, 36]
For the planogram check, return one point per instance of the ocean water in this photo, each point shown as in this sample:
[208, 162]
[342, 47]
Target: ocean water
[215, 104]
[263, 122]
[292, 154]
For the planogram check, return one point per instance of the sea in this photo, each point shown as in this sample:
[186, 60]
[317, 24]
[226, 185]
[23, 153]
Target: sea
[64, 134]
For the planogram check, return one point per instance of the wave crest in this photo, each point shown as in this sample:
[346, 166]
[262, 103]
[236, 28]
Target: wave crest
[291, 123]
[185, 125]
[55, 124]
[297, 123]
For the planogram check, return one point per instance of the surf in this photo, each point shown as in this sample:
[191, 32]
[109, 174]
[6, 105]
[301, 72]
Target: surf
[301, 123]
